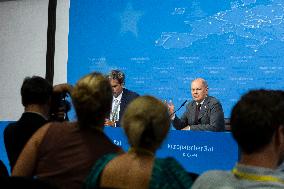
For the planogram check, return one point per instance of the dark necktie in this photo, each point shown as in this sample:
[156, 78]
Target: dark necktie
[197, 110]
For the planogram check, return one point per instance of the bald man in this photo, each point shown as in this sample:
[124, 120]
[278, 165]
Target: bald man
[203, 113]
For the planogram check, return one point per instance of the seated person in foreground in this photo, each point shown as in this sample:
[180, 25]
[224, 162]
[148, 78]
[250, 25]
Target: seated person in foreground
[63, 153]
[258, 127]
[146, 123]
[203, 113]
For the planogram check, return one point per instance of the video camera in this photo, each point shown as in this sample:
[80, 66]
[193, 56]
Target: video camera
[60, 106]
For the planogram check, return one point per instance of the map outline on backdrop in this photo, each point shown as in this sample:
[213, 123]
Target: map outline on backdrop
[163, 45]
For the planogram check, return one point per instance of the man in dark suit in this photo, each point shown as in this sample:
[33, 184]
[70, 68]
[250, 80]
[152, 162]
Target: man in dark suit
[36, 95]
[121, 97]
[202, 113]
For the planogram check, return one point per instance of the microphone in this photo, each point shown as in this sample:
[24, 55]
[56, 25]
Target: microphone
[179, 108]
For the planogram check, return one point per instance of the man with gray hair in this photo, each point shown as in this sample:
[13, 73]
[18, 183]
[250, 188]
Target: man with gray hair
[121, 97]
[202, 113]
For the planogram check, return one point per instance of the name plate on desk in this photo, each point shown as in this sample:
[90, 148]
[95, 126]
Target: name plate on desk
[197, 151]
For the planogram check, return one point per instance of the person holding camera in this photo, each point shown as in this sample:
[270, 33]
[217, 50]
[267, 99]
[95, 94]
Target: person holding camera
[62, 153]
[42, 103]
[59, 105]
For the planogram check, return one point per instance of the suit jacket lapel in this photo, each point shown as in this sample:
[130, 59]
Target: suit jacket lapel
[122, 103]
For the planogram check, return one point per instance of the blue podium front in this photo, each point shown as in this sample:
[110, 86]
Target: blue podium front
[196, 151]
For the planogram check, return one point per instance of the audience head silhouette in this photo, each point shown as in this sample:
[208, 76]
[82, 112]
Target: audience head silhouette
[92, 98]
[36, 90]
[146, 122]
[257, 118]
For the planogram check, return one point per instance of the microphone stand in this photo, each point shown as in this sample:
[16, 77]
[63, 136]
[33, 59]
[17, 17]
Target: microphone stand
[178, 108]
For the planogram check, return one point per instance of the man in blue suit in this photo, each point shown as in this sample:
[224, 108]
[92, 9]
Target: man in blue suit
[121, 97]
[202, 113]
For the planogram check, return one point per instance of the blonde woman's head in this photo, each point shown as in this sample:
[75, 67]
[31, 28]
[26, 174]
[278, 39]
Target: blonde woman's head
[146, 122]
[92, 98]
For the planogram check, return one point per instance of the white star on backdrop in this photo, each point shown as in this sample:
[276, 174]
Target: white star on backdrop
[129, 19]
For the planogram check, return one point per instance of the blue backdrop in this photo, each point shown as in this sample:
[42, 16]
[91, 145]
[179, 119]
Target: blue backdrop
[161, 45]
[3, 154]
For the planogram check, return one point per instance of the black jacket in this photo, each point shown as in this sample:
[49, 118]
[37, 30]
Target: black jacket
[18, 133]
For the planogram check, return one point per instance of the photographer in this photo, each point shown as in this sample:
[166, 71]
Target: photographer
[36, 95]
[42, 103]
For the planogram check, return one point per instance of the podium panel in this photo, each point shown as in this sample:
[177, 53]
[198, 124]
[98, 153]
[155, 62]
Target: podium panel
[197, 151]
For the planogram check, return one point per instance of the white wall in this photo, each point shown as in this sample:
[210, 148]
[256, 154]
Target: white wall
[23, 27]
[61, 41]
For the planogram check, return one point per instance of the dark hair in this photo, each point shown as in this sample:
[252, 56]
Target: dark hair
[35, 90]
[255, 118]
[117, 75]
[92, 98]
